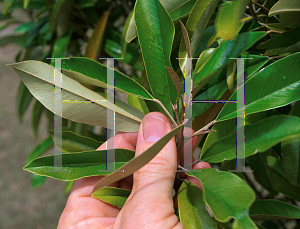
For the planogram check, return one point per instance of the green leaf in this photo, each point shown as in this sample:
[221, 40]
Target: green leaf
[273, 210]
[226, 201]
[37, 181]
[231, 74]
[156, 32]
[285, 39]
[280, 183]
[220, 57]
[284, 6]
[41, 148]
[26, 2]
[259, 137]
[193, 19]
[192, 211]
[111, 195]
[214, 93]
[61, 45]
[78, 165]
[96, 74]
[23, 100]
[94, 45]
[128, 22]
[274, 86]
[7, 5]
[139, 161]
[137, 103]
[201, 25]
[72, 142]
[68, 187]
[58, 9]
[170, 6]
[37, 112]
[254, 64]
[80, 104]
[86, 3]
[228, 19]
[182, 10]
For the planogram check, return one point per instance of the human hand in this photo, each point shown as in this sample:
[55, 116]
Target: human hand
[150, 204]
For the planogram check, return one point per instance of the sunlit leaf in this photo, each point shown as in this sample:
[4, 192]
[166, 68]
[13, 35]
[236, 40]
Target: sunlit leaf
[137, 103]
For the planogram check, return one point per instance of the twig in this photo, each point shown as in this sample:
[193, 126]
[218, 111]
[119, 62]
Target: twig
[264, 9]
[252, 11]
[273, 31]
[167, 112]
[203, 130]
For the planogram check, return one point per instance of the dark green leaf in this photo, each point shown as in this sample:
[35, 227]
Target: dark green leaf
[23, 100]
[111, 195]
[284, 6]
[37, 180]
[182, 10]
[259, 137]
[192, 211]
[226, 201]
[61, 46]
[41, 148]
[156, 32]
[78, 165]
[282, 40]
[274, 86]
[37, 112]
[273, 210]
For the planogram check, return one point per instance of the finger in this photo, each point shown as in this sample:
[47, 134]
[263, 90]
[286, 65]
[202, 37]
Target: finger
[153, 183]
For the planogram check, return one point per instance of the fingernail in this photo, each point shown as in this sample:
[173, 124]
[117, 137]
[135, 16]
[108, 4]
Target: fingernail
[154, 128]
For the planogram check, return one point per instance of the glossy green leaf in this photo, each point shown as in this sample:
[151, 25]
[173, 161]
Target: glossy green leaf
[285, 39]
[220, 58]
[111, 195]
[39, 78]
[274, 86]
[23, 100]
[231, 74]
[228, 19]
[41, 148]
[156, 32]
[137, 103]
[94, 45]
[201, 25]
[222, 129]
[253, 64]
[72, 142]
[193, 19]
[58, 9]
[61, 45]
[139, 161]
[192, 211]
[37, 112]
[182, 10]
[37, 181]
[78, 165]
[273, 210]
[284, 6]
[259, 137]
[280, 183]
[170, 6]
[96, 74]
[214, 93]
[128, 22]
[227, 195]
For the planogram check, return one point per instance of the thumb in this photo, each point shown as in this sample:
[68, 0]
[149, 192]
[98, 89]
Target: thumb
[159, 173]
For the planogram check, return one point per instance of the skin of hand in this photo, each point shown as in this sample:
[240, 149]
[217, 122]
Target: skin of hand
[150, 204]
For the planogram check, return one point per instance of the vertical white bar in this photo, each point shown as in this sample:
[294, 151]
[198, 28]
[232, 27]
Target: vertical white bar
[110, 120]
[188, 86]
